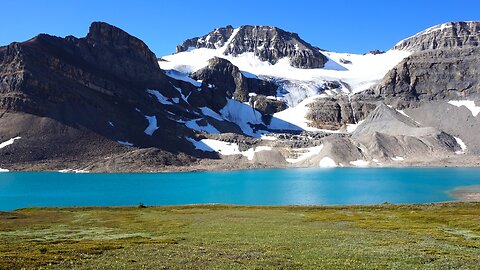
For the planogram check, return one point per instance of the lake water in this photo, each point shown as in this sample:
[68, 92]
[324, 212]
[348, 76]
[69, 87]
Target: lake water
[254, 187]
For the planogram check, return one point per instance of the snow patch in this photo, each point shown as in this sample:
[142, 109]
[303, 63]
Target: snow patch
[226, 148]
[327, 162]
[250, 153]
[209, 112]
[469, 104]
[181, 77]
[73, 171]
[268, 138]
[3, 170]
[398, 158]
[462, 145]
[9, 142]
[243, 115]
[352, 127]
[192, 124]
[360, 163]
[161, 98]
[403, 113]
[152, 124]
[249, 75]
[294, 116]
[125, 143]
[310, 152]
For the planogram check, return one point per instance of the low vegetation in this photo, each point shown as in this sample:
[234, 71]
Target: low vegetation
[431, 236]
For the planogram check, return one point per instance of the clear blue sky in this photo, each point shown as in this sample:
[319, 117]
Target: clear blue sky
[339, 25]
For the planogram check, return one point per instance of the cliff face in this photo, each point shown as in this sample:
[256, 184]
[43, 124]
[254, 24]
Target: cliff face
[268, 43]
[38, 74]
[444, 36]
[433, 75]
[445, 65]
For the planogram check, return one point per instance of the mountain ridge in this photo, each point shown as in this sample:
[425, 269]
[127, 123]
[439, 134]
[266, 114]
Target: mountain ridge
[111, 106]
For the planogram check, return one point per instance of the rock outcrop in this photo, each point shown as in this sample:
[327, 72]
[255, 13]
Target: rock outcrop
[230, 82]
[267, 43]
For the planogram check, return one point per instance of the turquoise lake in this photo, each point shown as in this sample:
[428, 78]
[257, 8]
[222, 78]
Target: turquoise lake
[253, 187]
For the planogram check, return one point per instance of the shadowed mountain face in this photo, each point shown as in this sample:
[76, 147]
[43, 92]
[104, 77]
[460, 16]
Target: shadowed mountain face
[74, 98]
[267, 43]
[86, 82]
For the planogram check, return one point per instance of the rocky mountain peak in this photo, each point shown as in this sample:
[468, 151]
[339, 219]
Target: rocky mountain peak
[268, 43]
[447, 35]
[213, 40]
[121, 53]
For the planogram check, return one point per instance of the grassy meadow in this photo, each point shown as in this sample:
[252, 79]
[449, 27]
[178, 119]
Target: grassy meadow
[427, 236]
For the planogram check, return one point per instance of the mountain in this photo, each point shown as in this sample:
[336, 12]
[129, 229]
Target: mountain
[246, 97]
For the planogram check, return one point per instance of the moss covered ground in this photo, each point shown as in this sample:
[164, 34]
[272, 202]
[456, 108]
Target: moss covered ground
[427, 236]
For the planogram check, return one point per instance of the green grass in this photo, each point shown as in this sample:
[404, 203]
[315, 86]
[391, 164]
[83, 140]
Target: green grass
[432, 236]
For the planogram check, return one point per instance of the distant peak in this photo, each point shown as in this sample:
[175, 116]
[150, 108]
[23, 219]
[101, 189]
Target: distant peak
[268, 43]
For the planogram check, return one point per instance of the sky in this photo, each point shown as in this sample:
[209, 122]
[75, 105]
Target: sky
[340, 26]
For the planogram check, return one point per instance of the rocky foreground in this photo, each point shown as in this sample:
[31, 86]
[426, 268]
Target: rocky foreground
[238, 98]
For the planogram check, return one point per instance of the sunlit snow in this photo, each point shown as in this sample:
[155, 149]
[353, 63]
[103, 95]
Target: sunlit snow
[469, 104]
[152, 125]
[462, 145]
[9, 142]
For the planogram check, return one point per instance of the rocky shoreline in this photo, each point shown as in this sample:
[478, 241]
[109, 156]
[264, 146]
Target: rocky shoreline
[467, 193]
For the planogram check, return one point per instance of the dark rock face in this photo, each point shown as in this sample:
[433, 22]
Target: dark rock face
[268, 43]
[229, 82]
[86, 89]
[444, 36]
[48, 69]
[375, 52]
[271, 44]
[121, 54]
[266, 105]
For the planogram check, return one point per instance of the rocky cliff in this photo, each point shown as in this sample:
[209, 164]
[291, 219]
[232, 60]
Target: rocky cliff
[444, 36]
